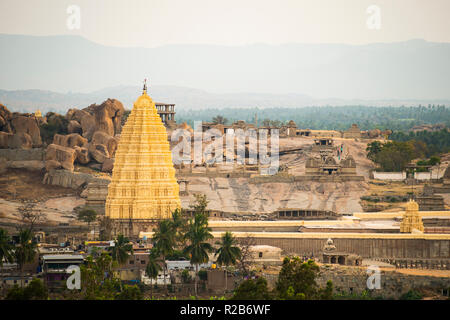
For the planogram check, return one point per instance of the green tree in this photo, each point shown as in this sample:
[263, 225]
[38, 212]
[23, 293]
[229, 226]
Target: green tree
[252, 290]
[6, 248]
[200, 205]
[219, 120]
[106, 226]
[394, 156]
[25, 249]
[98, 281]
[36, 290]
[185, 277]
[411, 295]
[373, 149]
[298, 275]
[197, 235]
[227, 253]
[121, 250]
[153, 267]
[88, 216]
[164, 242]
[327, 293]
[178, 224]
[130, 293]
[56, 123]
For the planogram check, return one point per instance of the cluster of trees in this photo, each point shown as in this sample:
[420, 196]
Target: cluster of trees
[394, 156]
[99, 281]
[433, 142]
[56, 124]
[180, 236]
[36, 290]
[331, 118]
[21, 252]
[296, 281]
[190, 237]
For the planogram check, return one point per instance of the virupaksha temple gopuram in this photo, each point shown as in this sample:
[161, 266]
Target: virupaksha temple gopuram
[143, 188]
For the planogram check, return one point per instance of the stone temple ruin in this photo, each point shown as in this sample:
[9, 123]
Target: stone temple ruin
[328, 167]
[333, 256]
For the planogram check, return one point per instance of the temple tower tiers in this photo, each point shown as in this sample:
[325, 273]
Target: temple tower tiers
[412, 221]
[143, 185]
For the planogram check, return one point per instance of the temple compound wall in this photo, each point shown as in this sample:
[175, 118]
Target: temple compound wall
[401, 176]
[363, 246]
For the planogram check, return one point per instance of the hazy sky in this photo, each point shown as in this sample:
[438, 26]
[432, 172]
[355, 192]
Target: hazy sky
[151, 23]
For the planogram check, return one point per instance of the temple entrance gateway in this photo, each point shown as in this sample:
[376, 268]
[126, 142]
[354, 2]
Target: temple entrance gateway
[143, 188]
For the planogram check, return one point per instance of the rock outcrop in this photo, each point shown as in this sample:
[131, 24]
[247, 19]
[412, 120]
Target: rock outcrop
[28, 125]
[105, 117]
[108, 116]
[4, 138]
[374, 133]
[70, 140]
[85, 120]
[74, 180]
[65, 156]
[5, 118]
[82, 155]
[74, 127]
[108, 165]
[52, 164]
[20, 140]
[33, 165]
[108, 141]
[98, 152]
[18, 131]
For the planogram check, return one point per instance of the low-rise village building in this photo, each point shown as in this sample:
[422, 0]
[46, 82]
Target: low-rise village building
[54, 268]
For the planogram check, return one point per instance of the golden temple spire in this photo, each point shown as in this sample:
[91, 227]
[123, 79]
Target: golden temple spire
[143, 186]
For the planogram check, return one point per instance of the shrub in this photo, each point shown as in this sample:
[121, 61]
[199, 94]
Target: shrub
[411, 295]
[130, 293]
[185, 276]
[252, 290]
[203, 275]
[36, 290]
[56, 123]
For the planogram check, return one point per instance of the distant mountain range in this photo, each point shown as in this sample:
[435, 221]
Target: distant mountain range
[184, 98]
[291, 75]
[415, 69]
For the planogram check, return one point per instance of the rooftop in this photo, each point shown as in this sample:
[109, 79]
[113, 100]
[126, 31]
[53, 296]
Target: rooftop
[55, 257]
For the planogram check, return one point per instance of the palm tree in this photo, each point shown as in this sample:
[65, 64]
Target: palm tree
[105, 226]
[153, 268]
[179, 226]
[227, 253]
[164, 241]
[121, 250]
[5, 248]
[198, 233]
[25, 249]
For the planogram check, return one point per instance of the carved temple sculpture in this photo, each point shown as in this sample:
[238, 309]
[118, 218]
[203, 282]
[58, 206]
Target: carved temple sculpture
[412, 221]
[143, 188]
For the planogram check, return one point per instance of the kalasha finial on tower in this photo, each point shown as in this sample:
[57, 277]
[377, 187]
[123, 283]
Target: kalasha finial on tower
[145, 86]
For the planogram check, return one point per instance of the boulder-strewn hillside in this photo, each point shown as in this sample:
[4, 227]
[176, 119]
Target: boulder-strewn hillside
[240, 195]
[85, 137]
[18, 130]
